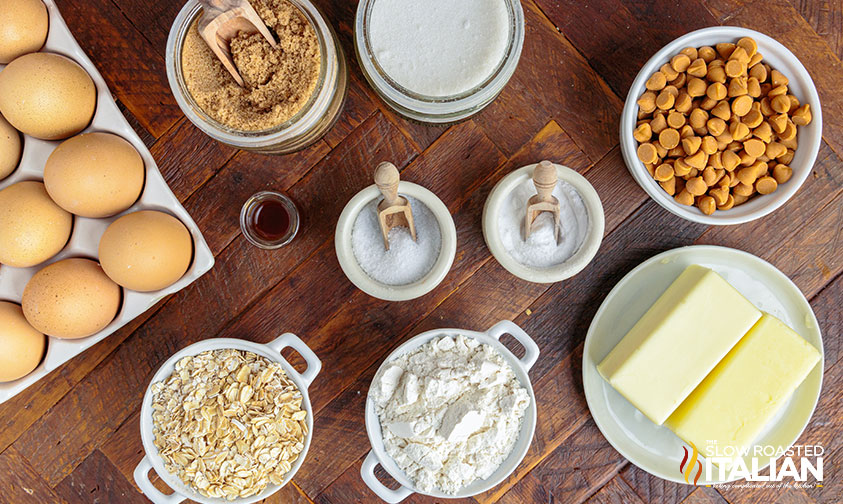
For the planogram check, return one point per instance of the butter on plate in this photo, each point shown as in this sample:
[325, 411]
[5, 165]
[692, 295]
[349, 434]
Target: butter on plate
[746, 389]
[678, 341]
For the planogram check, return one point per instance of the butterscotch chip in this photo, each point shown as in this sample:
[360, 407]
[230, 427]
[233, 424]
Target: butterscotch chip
[708, 144]
[802, 115]
[730, 202]
[752, 119]
[766, 185]
[720, 195]
[743, 189]
[774, 150]
[715, 159]
[776, 91]
[681, 168]
[690, 52]
[778, 79]
[696, 87]
[669, 185]
[754, 147]
[669, 138]
[722, 110]
[716, 126]
[672, 90]
[683, 102]
[730, 160]
[738, 86]
[724, 49]
[766, 109]
[647, 102]
[709, 176]
[686, 131]
[787, 158]
[763, 132]
[716, 73]
[697, 160]
[698, 118]
[706, 204]
[780, 104]
[708, 103]
[696, 186]
[746, 159]
[753, 88]
[651, 168]
[647, 153]
[668, 72]
[643, 133]
[739, 131]
[691, 174]
[663, 172]
[680, 62]
[789, 131]
[660, 151]
[739, 199]
[675, 119]
[794, 103]
[741, 105]
[684, 197]
[778, 123]
[665, 100]
[740, 55]
[707, 53]
[759, 73]
[748, 44]
[691, 144]
[782, 173]
[656, 82]
[698, 68]
[747, 175]
[680, 80]
[658, 123]
[716, 91]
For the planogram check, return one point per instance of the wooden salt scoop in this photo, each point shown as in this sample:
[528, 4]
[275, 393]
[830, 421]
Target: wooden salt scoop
[393, 210]
[545, 179]
[221, 21]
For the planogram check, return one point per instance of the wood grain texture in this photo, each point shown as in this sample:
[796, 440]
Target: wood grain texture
[74, 436]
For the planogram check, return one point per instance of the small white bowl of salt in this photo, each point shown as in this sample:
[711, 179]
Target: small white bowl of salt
[411, 266]
[554, 248]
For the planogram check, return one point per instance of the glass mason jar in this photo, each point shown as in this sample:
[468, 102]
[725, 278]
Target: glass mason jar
[437, 109]
[306, 127]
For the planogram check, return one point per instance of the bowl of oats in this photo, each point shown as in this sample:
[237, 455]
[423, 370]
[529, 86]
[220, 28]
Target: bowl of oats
[226, 420]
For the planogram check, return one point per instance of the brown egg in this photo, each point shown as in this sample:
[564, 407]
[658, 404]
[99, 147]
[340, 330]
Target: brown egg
[10, 148]
[94, 175]
[71, 299]
[32, 227]
[23, 28]
[47, 95]
[21, 346]
[146, 251]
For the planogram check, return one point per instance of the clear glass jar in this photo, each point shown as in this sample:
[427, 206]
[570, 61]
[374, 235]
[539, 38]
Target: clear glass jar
[250, 222]
[303, 129]
[438, 109]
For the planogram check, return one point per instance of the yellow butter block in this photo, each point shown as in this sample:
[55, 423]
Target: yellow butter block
[680, 339]
[746, 389]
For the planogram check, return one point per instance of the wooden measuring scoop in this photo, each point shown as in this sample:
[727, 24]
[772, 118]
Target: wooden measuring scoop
[545, 179]
[393, 210]
[221, 21]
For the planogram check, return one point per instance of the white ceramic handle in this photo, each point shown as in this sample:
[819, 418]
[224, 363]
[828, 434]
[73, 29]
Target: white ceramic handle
[314, 365]
[152, 493]
[367, 472]
[531, 350]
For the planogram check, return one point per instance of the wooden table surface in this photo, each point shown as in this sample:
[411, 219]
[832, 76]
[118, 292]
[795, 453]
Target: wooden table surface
[74, 435]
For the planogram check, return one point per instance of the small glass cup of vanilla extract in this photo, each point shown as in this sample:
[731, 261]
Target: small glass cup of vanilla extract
[269, 220]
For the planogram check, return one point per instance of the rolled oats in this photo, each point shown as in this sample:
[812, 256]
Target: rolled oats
[228, 423]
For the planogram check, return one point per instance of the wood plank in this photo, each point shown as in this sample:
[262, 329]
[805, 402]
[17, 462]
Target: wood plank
[620, 37]
[825, 18]
[780, 20]
[616, 491]
[97, 481]
[21, 483]
[575, 470]
[133, 69]
[704, 495]
[653, 489]
[241, 275]
[568, 91]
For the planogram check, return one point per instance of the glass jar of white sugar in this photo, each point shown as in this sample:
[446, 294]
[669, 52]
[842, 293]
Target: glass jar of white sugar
[438, 61]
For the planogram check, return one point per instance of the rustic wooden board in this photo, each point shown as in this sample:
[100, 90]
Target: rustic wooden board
[73, 437]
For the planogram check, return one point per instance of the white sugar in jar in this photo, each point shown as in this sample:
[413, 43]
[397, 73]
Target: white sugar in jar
[439, 61]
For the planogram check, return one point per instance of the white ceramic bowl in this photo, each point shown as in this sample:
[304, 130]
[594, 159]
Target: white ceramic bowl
[559, 272]
[271, 351]
[86, 234]
[352, 269]
[810, 136]
[520, 367]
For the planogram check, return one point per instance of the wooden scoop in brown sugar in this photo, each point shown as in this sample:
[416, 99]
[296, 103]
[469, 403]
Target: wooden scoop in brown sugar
[221, 21]
[545, 179]
[393, 210]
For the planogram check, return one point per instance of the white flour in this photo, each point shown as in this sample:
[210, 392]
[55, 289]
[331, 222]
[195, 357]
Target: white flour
[541, 249]
[439, 47]
[450, 412]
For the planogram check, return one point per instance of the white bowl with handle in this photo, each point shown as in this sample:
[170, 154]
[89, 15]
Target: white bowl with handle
[520, 367]
[271, 351]
[800, 85]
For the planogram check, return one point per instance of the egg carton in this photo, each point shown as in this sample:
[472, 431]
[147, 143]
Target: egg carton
[86, 234]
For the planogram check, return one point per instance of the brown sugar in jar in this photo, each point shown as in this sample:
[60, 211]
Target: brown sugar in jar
[279, 82]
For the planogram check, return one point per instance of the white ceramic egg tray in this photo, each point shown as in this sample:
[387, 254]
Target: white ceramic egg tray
[86, 234]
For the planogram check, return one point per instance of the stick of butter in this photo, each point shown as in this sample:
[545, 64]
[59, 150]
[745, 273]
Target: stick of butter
[746, 389]
[680, 339]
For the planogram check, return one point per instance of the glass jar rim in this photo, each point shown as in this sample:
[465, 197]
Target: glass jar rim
[310, 113]
[245, 212]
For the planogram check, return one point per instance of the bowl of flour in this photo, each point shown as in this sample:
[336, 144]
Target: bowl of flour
[450, 413]
[541, 258]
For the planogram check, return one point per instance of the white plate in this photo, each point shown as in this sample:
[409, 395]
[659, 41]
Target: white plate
[84, 241]
[654, 448]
